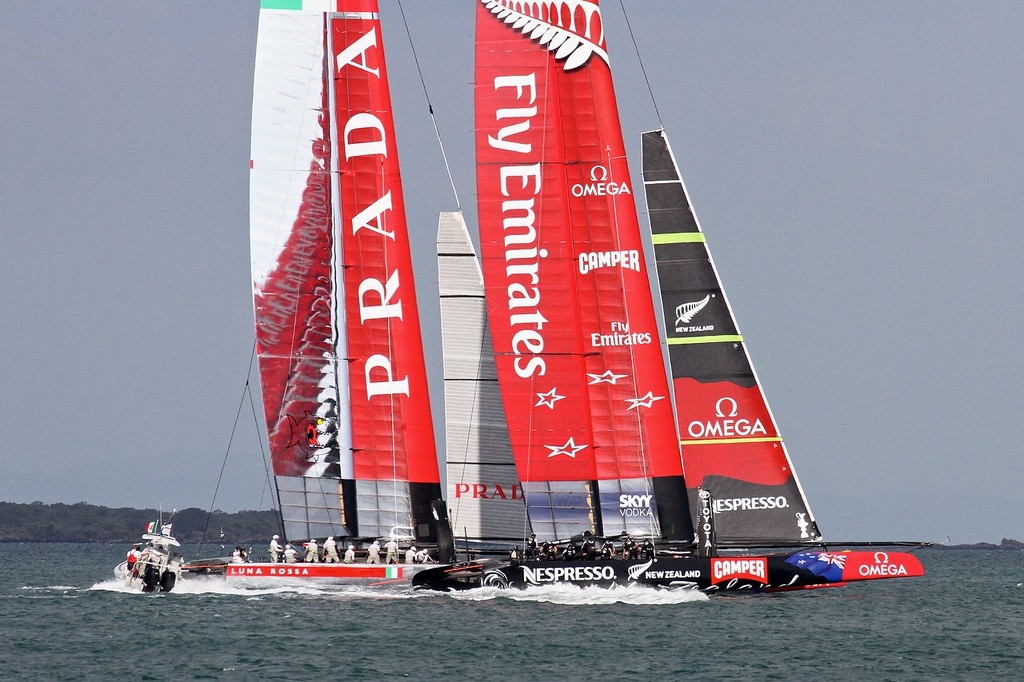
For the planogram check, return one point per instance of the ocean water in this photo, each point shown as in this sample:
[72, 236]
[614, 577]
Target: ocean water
[65, 617]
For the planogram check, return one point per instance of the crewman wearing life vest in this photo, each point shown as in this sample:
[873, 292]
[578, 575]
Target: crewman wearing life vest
[133, 556]
[350, 554]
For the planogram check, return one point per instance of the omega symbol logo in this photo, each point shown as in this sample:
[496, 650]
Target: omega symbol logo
[726, 402]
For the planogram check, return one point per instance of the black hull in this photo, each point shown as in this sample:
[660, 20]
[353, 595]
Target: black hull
[797, 571]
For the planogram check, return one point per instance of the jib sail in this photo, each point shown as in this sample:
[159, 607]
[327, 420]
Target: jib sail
[731, 445]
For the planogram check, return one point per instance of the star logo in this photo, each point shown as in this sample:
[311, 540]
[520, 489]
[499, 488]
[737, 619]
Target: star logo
[570, 449]
[548, 399]
[646, 401]
[608, 377]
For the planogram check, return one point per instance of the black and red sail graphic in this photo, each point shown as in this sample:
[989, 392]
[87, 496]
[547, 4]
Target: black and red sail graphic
[341, 360]
[574, 328]
[730, 442]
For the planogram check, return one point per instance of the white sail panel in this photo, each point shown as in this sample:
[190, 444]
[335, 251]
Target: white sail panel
[485, 499]
[287, 100]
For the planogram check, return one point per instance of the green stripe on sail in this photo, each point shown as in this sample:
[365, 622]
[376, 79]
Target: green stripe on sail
[725, 338]
[723, 441]
[678, 238]
[281, 4]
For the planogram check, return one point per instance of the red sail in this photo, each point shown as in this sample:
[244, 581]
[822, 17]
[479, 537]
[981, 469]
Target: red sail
[392, 434]
[575, 335]
[341, 359]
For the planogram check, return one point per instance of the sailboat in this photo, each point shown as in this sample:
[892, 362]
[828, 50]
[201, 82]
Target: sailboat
[338, 341]
[620, 477]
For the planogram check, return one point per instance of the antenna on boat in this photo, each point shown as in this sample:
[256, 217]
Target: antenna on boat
[636, 48]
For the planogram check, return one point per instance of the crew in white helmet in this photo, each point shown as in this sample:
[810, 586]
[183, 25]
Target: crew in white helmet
[373, 553]
[275, 549]
[331, 551]
[312, 551]
[350, 554]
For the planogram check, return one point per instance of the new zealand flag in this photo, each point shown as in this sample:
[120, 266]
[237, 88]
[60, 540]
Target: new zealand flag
[828, 565]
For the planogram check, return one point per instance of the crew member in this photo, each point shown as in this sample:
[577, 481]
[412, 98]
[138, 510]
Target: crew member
[312, 551]
[350, 554]
[410, 555]
[373, 553]
[290, 555]
[331, 551]
[392, 549]
[133, 556]
[531, 547]
[275, 549]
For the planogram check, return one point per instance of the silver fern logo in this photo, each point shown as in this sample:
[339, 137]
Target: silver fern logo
[686, 312]
[635, 572]
[545, 24]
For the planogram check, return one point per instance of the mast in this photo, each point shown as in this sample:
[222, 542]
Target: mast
[730, 442]
[338, 334]
[575, 334]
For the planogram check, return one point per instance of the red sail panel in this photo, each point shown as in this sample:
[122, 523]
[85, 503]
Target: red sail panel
[574, 328]
[392, 432]
[735, 432]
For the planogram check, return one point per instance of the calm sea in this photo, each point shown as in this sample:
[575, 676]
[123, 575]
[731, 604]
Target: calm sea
[64, 617]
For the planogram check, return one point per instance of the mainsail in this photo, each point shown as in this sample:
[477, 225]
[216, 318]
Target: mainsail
[338, 335]
[575, 334]
[731, 445]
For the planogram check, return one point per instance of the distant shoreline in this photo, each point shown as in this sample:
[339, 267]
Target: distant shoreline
[93, 524]
[84, 523]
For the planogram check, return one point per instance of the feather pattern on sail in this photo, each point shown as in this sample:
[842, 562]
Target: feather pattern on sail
[571, 29]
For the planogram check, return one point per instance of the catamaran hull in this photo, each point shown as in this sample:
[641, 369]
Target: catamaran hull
[369, 575]
[801, 570]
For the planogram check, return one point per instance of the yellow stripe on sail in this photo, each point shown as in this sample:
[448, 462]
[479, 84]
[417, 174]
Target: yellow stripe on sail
[723, 441]
[678, 238]
[724, 338]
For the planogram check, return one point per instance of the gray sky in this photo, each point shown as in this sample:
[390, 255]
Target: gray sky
[857, 168]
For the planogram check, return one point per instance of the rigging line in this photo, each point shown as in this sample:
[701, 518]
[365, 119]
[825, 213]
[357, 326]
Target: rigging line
[234, 427]
[430, 108]
[259, 438]
[636, 48]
